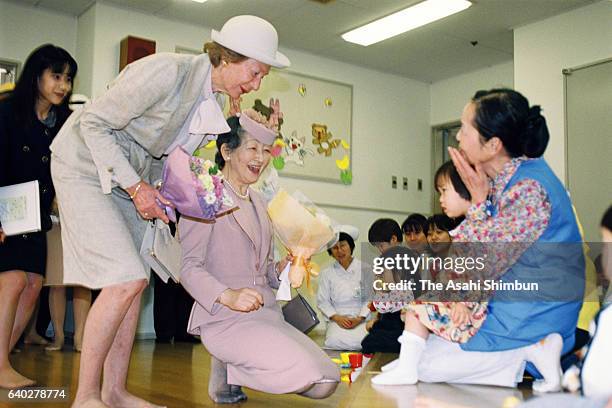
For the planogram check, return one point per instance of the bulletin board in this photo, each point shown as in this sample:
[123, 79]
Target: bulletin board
[317, 127]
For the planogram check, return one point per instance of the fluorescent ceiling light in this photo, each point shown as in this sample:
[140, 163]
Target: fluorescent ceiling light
[405, 20]
[199, 1]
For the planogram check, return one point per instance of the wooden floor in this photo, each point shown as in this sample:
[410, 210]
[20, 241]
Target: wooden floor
[176, 375]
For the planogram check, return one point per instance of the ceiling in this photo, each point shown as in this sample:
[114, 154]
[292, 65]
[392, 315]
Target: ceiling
[436, 51]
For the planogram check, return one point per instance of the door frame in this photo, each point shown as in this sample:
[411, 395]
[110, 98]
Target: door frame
[438, 154]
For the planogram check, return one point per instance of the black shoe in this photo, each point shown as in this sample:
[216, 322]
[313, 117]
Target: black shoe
[186, 339]
[237, 390]
[163, 340]
[227, 398]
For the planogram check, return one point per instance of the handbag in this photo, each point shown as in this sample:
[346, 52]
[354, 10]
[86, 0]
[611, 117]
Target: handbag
[162, 251]
[300, 314]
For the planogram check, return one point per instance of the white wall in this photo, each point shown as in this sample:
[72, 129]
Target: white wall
[449, 96]
[543, 49]
[113, 23]
[85, 38]
[22, 29]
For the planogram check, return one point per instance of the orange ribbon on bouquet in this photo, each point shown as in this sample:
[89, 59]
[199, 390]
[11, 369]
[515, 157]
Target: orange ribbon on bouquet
[302, 267]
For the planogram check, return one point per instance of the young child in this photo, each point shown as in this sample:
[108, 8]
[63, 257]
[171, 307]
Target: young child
[415, 232]
[384, 330]
[438, 240]
[456, 321]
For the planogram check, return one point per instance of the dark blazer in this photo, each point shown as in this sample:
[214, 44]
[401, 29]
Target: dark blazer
[25, 154]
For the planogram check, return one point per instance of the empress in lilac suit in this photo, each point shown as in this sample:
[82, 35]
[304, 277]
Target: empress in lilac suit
[261, 350]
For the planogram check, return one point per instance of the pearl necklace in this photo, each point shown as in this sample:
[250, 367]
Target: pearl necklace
[242, 196]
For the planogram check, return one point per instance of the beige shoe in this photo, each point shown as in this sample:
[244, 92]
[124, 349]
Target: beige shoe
[55, 347]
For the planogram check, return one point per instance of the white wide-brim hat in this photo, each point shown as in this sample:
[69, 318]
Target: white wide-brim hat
[252, 37]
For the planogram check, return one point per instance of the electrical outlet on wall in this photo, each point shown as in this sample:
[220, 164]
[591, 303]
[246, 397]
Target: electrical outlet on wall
[420, 184]
[405, 183]
[393, 181]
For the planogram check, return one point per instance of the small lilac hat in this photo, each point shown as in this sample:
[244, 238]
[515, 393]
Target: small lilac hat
[252, 37]
[256, 130]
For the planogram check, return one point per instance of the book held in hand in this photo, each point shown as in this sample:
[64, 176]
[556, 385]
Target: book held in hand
[20, 208]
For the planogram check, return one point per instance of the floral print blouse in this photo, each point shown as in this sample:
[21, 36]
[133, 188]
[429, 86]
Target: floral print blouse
[518, 215]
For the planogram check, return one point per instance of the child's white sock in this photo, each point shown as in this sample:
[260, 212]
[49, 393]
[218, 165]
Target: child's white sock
[405, 373]
[546, 356]
[390, 365]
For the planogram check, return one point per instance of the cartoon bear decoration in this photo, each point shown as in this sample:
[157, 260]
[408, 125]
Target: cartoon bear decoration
[323, 138]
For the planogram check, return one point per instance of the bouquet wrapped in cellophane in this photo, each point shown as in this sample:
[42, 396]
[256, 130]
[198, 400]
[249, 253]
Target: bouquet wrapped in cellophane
[194, 186]
[303, 229]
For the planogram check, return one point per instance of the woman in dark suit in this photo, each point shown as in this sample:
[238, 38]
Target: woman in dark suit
[29, 120]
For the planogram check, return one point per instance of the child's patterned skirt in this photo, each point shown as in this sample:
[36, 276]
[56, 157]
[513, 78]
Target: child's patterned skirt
[436, 316]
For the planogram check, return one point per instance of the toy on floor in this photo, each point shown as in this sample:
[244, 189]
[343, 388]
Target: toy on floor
[351, 365]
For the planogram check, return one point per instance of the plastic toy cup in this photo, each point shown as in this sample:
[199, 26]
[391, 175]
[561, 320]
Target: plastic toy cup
[356, 360]
[345, 358]
[345, 371]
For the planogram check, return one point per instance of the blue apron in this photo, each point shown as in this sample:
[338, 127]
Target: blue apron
[555, 262]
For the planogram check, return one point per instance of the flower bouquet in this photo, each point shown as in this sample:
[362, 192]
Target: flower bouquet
[194, 186]
[303, 229]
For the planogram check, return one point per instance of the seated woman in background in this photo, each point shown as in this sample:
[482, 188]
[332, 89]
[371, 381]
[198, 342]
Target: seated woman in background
[229, 270]
[343, 293]
[518, 202]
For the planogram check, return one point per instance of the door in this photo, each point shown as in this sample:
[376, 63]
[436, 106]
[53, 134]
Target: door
[443, 137]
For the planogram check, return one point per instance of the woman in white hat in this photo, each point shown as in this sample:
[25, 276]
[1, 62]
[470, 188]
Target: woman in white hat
[343, 294]
[102, 169]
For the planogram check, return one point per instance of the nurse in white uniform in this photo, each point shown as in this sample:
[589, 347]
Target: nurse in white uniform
[343, 294]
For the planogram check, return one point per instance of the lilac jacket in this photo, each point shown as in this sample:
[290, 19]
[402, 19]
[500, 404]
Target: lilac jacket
[226, 254]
